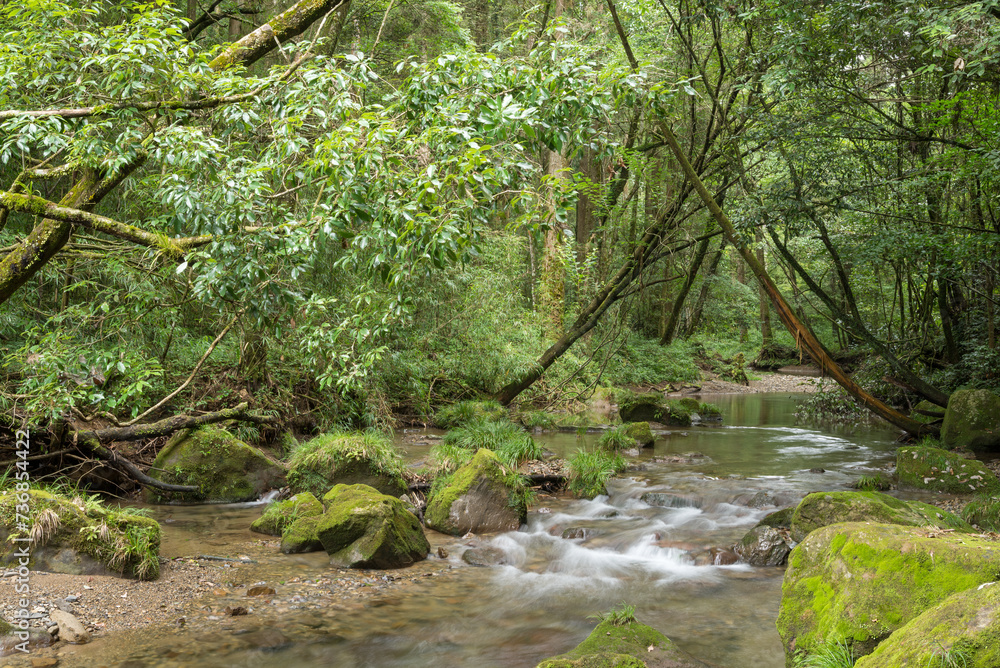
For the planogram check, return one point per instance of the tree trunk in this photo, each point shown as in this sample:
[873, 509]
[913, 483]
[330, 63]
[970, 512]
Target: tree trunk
[675, 313]
[765, 304]
[706, 288]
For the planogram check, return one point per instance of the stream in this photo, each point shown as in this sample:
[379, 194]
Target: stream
[620, 549]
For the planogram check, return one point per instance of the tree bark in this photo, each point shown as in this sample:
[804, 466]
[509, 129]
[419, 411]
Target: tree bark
[675, 313]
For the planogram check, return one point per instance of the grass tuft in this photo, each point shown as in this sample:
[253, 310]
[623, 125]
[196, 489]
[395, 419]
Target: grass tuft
[589, 472]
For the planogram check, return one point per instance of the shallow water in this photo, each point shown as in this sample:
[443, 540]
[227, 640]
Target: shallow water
[539, 603]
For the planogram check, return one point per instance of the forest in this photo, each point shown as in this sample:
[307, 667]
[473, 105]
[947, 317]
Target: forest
[294, 219]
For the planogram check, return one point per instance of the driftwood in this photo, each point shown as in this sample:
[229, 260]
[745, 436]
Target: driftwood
[91, 441]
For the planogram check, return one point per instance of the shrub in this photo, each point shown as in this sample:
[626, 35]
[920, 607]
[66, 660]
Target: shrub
[509, 441]
[616, 439]
[465, 412]
[589, 472]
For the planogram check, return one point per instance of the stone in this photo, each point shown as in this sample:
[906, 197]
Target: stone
[44, 662]
[965, 626]
[70, 628]
[302, 536]
[576, 533]
[652, 407]
[347, 458]
[921, 410]
[624, 645]
[861, 581]
[481, 496]
[279, 515]
[640, 433]
[922, 467]
[485, 556]
[762, 499]
[261, 590]
[972, 420]
[668, 500]
[824, 508]
[764, 546]
[779, 519]
[221, 466]
[363, 528]
[267, 639]
[64, 606]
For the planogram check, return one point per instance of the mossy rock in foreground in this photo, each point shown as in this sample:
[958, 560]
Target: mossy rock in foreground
[363, 528]
[965, 627]
[221, 466]
[860, 582]
[921, 467]
[972, 420]
[81, 538]
[347, 458]
[481, 496]
[820, 509]
[631, 645]
[302, 535]
[280, 515]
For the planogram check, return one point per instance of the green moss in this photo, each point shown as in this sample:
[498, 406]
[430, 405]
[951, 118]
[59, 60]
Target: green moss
[861, 581]
[465, 412]
[640, 433]
[779, 519]
[484, 468]
[823, 508]
[121, 540]
[632, 644]
[5, 628]
[222, 467]
[302, 535]
[652, 407]
[368, 458]
[918, 412]
[536, 420]
[972, 420]
[943, 471]
[278, 516]
[363, 528]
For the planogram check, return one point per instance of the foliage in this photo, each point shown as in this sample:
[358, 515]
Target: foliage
[331, 451]
[536, 420]
[620, 615]
[615, 439]
[465, 412]
[873, 483]
[509, 441]
[589, 472]
[827, 655]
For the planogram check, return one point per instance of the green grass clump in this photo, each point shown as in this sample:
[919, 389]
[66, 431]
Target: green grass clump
[448, 457]
[464, 412]
[616, 439]
[873, 483]
[589, 472]
[620, 615]
[984, 512]
[827, 655]
[537, 420]
[512, 445]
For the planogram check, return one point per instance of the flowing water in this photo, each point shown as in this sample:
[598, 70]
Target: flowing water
[619, 549]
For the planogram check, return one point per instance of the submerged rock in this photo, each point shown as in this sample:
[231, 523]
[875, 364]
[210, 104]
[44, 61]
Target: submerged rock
[80, 537]
[922, 467]
[664, 500]
[279, 515]
[965, 626]
[222, 467]
[820, 509]
[860, 581]
[972, 420]
[363, 528]
[485, 556]
[764, 546]
[624, 645]
[363, 458]
[481, 496]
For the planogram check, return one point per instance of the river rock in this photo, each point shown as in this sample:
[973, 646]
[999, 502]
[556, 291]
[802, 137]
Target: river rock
[280, 515]
[81, 538]
[485, 556]
[629, 645]
[221, 466]
[927, 412]
[664, 500]
[301, 536]
[861, 581]
[641, 433]
[481, 496]
[347, 458]
[70, 628]
[965, 625]
[652, 407]
[764, 546]
[922, 467]
[823, 508]
[363, 528]
[972, 420]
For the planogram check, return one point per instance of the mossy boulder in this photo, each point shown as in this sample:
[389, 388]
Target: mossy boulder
[347, 458]
[922, 467]
[640, 433]
[302, 535]
[927, 412]
[363, 528]
[652, 407]
[820, 509]
[779, 519]
[279, 515]
[965, 625]
[80, 536]
[221, 466]
[858, 582]
[629, 645]
[464, 412]
[972, 420]
[480, 496]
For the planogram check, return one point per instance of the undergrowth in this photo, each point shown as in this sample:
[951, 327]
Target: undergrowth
[589, 472]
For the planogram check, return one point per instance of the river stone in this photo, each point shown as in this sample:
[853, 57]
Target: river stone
[481, 496]
[221, 466]
[641, 433]
[70, 628]
[302, 536]
[280, 515]
[347, 458]
[652, 407]
[922, 467]
[779, 519]
[9, 641]
[668, 500]
[861, 581]
[485, 556]
[363, 528]
[82, 539]
[764, 546]
[632, 645]
[823, 508]
[968, 622]
[972, 420]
